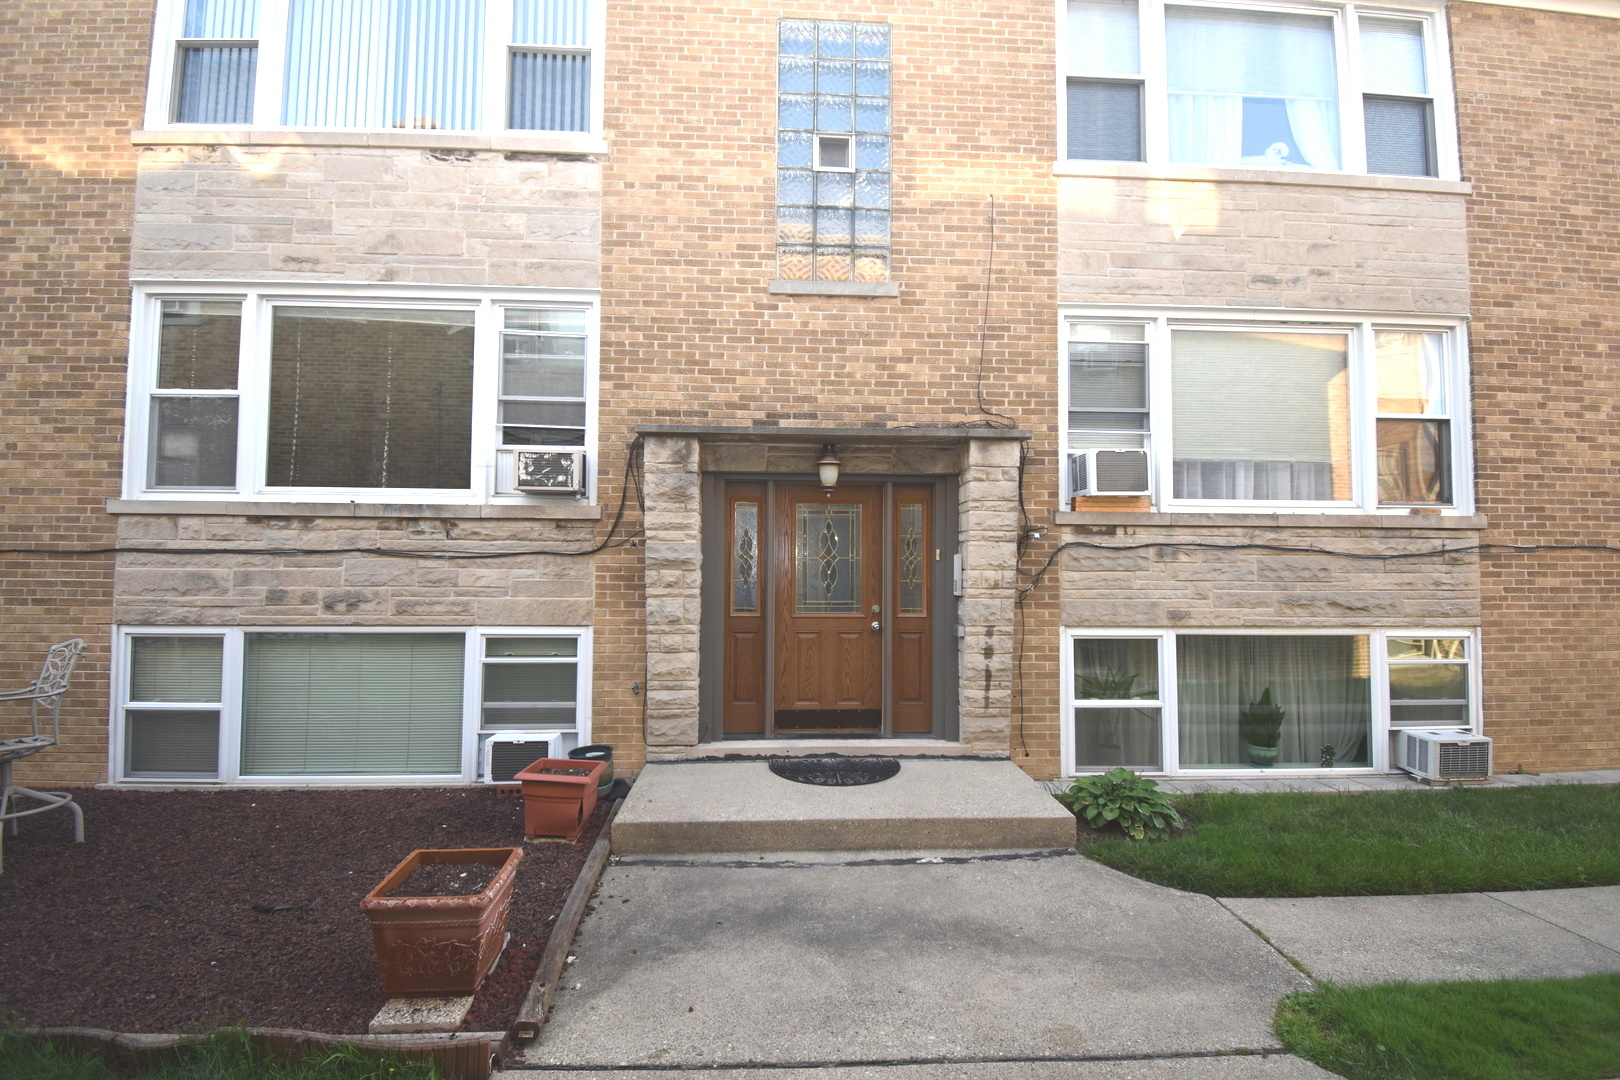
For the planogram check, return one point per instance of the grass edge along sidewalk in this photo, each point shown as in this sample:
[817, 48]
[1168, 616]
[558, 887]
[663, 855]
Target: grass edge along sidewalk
[1508, 1029]
[228, 1055]
[1290, 844]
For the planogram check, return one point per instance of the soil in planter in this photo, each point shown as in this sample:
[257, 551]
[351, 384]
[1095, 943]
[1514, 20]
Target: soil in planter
[446, 879]
[186, 910]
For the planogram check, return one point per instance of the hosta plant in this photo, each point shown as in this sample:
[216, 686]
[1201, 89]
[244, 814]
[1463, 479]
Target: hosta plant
[1120, 797]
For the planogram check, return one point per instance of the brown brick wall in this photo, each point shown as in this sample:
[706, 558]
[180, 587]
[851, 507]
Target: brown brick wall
[72, 81]
[1537, 94]
[690, 333]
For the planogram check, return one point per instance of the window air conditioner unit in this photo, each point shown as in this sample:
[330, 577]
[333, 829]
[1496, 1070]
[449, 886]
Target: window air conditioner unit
[1444, 755]
[509, 753]
[540, 472]
[1109, 472]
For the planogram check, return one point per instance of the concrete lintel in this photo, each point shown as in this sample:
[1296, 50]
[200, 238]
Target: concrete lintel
[868, 435]
[1418, 523]
[464, 511]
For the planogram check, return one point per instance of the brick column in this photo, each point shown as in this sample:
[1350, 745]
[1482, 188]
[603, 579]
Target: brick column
[988, 521]
[674, 527]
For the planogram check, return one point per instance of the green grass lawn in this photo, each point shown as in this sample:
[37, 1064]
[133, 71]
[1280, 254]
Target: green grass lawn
[1459, 840]
[1514, 1029]
[226, 1058]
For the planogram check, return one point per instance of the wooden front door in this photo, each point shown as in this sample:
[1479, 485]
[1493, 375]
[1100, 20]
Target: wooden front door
[828, 568]
[828, 609]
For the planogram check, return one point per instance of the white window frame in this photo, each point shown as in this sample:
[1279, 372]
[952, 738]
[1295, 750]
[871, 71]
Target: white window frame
[1153, 78]
[1359, 328]
[230, 707]
[1380, 732]
[253, 385]
[498, 50]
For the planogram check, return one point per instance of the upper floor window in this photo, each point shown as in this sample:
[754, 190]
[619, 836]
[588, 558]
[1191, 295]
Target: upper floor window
[833, 153]
[375, 65]
[1334, 89]
[1198, 413]
[355, 394]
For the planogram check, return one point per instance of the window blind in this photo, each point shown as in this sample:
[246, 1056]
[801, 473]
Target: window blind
[352, 704]
[180, 669]
[171, 742]
[1259, 397]
[1392, 56]
[1104, 38]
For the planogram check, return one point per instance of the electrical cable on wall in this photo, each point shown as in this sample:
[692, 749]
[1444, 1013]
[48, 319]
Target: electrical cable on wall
[1290, 549]
[632, 479]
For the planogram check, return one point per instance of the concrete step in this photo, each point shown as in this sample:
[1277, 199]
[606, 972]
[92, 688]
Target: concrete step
[690, 807]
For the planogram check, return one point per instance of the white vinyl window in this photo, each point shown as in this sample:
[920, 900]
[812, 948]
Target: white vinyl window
[1254, 412]
[300, 705]
[353, 394]
[377, 65]
[1328, 88]
[1259, 701]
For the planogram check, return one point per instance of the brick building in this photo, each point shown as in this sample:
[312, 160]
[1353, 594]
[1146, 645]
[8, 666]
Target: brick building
[384, 379]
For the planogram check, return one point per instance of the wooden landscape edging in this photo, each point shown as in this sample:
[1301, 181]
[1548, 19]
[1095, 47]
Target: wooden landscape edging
[532, 1013]
[463, 1055]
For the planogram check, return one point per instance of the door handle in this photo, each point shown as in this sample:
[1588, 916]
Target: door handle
[877, 626]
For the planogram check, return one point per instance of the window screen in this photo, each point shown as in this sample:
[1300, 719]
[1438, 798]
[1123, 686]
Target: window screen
[370, 398]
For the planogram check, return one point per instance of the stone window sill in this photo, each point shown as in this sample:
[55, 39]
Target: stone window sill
[1124, 170]
[834, 288]
[205, 508]
[1407, 522]
[426, 140]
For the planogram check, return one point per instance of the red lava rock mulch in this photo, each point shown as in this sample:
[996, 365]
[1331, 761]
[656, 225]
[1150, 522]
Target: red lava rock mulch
[186, 910]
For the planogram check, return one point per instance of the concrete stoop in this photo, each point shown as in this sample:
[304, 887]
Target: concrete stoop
[692, 807]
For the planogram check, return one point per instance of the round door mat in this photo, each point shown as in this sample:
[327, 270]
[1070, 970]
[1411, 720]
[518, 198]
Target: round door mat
[835, 771]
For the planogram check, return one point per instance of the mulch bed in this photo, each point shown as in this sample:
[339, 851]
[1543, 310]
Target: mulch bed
[187, 910]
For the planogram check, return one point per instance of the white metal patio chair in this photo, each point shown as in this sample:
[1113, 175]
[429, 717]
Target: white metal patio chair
[43, 694]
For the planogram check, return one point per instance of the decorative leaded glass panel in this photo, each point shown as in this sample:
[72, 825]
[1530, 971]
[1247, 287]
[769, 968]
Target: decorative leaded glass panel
[745, 558]
[834, 78]
[827, 551]
[912, 590]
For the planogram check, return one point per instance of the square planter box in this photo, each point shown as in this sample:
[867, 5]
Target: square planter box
[440, 946]
[558, 796]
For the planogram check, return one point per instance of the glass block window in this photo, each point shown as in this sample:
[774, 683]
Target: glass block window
[833, 151]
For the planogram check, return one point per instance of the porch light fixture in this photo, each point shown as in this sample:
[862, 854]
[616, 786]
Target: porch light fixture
[827, 467]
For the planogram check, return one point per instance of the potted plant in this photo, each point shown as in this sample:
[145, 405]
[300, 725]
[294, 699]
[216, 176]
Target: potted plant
[1260, 724]
[558, 796]
[438, 920]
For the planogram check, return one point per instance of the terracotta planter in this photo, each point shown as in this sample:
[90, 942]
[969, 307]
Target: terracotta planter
[558, 796]
[440, 946]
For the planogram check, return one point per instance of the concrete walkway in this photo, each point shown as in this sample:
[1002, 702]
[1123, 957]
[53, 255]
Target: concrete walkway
[827, 960]
[952, 965]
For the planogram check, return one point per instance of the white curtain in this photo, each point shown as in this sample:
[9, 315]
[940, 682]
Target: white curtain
[1206, 128]
[1225, 56]
[1316, 131]
[1320, 682]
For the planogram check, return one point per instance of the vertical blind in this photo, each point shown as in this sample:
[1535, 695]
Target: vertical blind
[352, 704]
[384, 64]
[216, 81]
